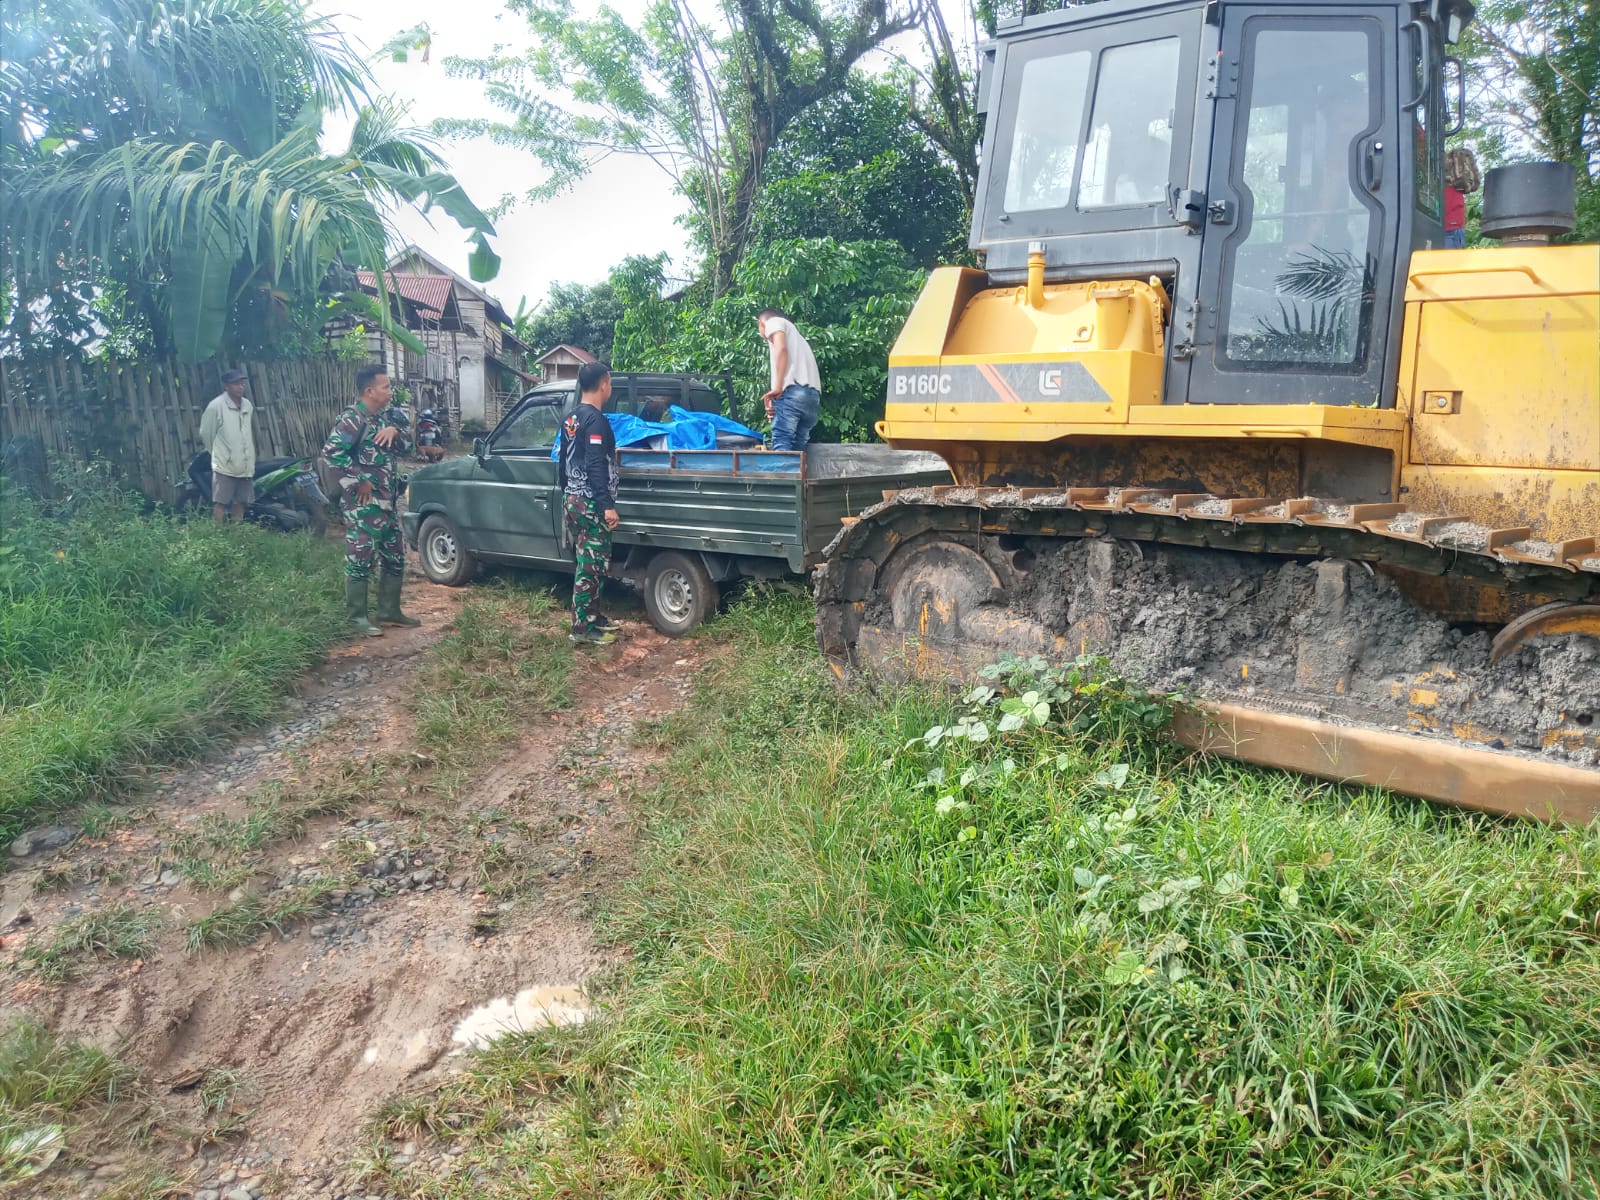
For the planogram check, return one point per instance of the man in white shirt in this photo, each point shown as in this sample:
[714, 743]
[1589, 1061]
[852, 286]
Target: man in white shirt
[796, 384]
[226, 431]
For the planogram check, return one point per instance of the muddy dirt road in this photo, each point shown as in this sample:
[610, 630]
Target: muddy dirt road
[439, 919]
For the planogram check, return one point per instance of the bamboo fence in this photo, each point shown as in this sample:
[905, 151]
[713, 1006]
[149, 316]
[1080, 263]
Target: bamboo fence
[144, 418]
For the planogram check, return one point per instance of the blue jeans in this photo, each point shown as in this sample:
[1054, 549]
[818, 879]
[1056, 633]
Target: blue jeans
[793, 416]
[1455, 239]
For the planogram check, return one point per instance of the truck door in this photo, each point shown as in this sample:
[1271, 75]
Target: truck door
[516, 509]
[1298, 256]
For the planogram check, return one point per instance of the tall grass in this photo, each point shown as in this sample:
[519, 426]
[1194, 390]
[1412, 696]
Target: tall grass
[127, 638]
[872, 963]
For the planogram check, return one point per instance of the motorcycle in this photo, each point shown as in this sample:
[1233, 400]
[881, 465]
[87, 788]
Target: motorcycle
[288, 496]
[430, 436]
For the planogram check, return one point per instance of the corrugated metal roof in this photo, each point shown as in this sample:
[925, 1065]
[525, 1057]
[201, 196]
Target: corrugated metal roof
[430, 291]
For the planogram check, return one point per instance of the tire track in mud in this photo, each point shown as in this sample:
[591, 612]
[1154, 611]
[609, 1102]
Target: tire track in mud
[327, 1019]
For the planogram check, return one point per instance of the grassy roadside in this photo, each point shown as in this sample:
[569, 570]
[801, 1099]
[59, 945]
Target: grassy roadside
[57, 1097]
[502, 661]
[871, 960]
[129, 638]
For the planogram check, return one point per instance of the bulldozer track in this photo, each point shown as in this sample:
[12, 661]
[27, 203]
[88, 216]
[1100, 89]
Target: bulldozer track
[1004, 524]
[1392, 534]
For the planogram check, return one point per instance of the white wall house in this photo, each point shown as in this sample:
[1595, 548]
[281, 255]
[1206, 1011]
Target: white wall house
[473, 360]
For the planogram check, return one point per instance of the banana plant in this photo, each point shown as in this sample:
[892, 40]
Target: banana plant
[170, 151]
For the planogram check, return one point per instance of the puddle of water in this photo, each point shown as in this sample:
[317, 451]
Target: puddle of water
[531, 1008]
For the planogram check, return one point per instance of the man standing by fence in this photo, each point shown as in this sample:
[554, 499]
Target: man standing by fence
[228, 436]
[366, 450]
[588, 469]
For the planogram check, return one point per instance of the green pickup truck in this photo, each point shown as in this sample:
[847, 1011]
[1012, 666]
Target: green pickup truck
[692, 520]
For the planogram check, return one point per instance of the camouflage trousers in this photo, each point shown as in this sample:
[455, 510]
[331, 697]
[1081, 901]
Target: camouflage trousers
[371, 538]
[591, 549]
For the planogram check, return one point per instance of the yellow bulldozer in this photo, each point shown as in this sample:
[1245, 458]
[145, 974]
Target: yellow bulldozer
[1220, 406]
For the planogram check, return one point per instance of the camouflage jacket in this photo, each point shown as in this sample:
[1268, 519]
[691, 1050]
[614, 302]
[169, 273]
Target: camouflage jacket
[368, 463]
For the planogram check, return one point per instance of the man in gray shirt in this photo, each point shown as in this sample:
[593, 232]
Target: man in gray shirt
[796, 385]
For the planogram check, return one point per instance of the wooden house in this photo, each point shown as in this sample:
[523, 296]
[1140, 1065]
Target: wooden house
[473, 362]
[562, 362]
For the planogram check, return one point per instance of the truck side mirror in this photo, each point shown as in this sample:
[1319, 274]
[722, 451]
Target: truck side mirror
[480, 449]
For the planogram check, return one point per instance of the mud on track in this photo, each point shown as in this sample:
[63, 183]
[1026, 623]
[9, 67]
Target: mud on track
[337, 1013]
[1330, 638]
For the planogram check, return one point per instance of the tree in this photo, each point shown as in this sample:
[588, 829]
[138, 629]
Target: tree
[705, 103]
[574, 314]
[848, 298]
[161, 169]
[856, 167]
[1535, 90]
[945, 106]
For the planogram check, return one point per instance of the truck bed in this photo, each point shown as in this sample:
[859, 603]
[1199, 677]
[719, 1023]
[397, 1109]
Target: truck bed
[759, 503]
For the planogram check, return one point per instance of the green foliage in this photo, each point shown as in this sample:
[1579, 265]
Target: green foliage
[1534, 91]
[856, 167]
[849, 299]
[1075, 965]
[703, 99]
[243, 921]
[42, 1075]
[351, 346]
[416, 40]
[574, 314]
[167, 157]
[497, 663]
[118, 930]
[128, 638]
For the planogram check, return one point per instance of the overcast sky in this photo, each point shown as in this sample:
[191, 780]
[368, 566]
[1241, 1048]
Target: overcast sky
[625, 206]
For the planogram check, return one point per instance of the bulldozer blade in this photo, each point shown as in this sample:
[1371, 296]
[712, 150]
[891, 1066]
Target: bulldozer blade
[1432, 769]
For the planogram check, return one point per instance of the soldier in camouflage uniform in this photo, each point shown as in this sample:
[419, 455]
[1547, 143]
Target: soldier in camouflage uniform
[366, 450]
[589, 497]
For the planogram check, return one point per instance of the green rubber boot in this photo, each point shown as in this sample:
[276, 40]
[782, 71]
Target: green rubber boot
[355, 604]
[389, 602]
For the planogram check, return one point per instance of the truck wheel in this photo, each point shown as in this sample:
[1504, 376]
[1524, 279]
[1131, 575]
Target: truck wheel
[678, 593]
[444, 560]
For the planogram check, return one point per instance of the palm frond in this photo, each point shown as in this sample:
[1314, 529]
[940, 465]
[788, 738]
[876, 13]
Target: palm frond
[1323, 274]
[383, 135]
[161, 208]
[103, 71]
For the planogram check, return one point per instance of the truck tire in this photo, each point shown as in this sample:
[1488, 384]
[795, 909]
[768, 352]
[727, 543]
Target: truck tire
[678, 593]
[444, 560]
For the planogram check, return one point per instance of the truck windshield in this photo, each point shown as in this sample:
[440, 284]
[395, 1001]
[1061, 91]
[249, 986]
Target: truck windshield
[534, 428]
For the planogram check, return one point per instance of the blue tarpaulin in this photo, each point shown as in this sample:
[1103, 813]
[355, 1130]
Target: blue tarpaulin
[686, 431]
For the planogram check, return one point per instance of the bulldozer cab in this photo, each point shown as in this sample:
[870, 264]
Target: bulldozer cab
[1273, 164]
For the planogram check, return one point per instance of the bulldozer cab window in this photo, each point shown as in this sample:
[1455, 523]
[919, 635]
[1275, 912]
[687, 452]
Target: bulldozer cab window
[1427, 117]
[1044, 145]
[1090, 128]
[1130, 133]
[1299, 288]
